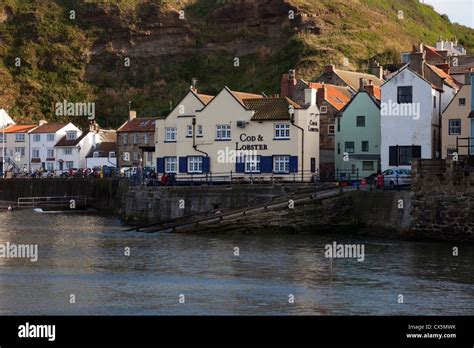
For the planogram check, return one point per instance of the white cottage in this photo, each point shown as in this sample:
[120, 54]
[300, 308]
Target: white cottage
[42, 142]
[412, 102]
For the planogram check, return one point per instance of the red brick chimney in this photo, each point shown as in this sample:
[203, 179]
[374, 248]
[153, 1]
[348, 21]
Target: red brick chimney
[321, 95]
[288, 84]
[369, 87]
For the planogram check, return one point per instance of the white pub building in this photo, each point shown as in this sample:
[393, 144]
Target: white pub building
[236, 135]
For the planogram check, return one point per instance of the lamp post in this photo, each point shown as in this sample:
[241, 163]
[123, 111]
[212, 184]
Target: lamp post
[291, 111]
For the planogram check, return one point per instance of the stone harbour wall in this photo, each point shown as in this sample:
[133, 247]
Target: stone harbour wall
[443, 200]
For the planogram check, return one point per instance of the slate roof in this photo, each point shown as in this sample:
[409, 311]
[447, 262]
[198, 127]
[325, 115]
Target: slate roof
[352, 78]
[66, 142]
[103, 148]
[49, 128]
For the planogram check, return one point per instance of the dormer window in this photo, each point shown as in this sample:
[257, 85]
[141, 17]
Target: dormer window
[112, 154]
[96, 154]
[71, 135]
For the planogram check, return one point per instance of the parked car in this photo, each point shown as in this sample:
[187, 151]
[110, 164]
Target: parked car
[395, 178]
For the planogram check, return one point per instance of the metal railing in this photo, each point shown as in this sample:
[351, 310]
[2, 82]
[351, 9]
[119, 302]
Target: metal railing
[52, 202]
[216, 178]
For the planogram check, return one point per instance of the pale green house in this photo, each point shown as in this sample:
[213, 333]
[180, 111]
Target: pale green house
[357, 153]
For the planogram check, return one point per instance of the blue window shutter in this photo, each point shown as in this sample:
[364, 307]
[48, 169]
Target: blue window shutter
[183, 164]
[239, 165]
[266, 164]
[293, 164]
[160, 165]
[206, 165]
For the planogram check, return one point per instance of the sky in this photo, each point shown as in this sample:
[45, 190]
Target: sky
[458, 11]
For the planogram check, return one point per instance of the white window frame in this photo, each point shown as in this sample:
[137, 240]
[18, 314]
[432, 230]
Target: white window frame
[281, 164]
[50, 137]
[96, 154]
[36, 138]
[20, 150]
[146, 138]
[282, 131]
[20, 137]
[450, 128]
[199, 130]
[69, 165]
[67, 151]
[112, 154]
[135, 139]
[223, 132]
[70, 135]
[47, 153]
[189, 131]
[195, 164]
[171, 134]
[171, 165]
[252, 164]
[37, 151]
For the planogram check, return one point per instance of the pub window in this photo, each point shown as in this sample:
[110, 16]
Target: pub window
[282, 131]
[195, 164]
[170, 134]
[223, 132]
[252, 164]
[171, 165]
[281, 164]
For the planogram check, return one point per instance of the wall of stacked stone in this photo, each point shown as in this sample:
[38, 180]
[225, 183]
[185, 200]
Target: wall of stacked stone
[443, 200]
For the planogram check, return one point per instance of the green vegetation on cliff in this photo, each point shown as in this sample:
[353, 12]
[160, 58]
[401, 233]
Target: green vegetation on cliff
[48, 53]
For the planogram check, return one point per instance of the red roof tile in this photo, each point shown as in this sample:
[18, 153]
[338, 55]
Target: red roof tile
[334, 96]
[18, 128]
[141, 124]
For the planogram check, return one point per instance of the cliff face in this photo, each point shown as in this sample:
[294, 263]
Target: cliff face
[147, 51]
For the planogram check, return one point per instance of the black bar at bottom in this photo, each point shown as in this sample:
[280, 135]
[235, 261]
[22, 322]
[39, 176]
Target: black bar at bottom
[429, 331]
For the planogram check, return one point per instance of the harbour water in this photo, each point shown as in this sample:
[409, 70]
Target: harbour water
[85, 256]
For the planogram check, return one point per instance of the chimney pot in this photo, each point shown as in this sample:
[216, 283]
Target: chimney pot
[133, 114]
[42, 122]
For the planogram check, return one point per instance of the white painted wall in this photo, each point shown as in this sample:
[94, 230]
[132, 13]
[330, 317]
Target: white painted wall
[403, 130]
[43, 145]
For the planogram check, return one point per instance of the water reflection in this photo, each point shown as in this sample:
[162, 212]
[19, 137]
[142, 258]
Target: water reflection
[84, 255]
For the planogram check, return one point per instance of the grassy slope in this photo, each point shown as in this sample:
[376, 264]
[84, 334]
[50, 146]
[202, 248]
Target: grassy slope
[51, 47]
